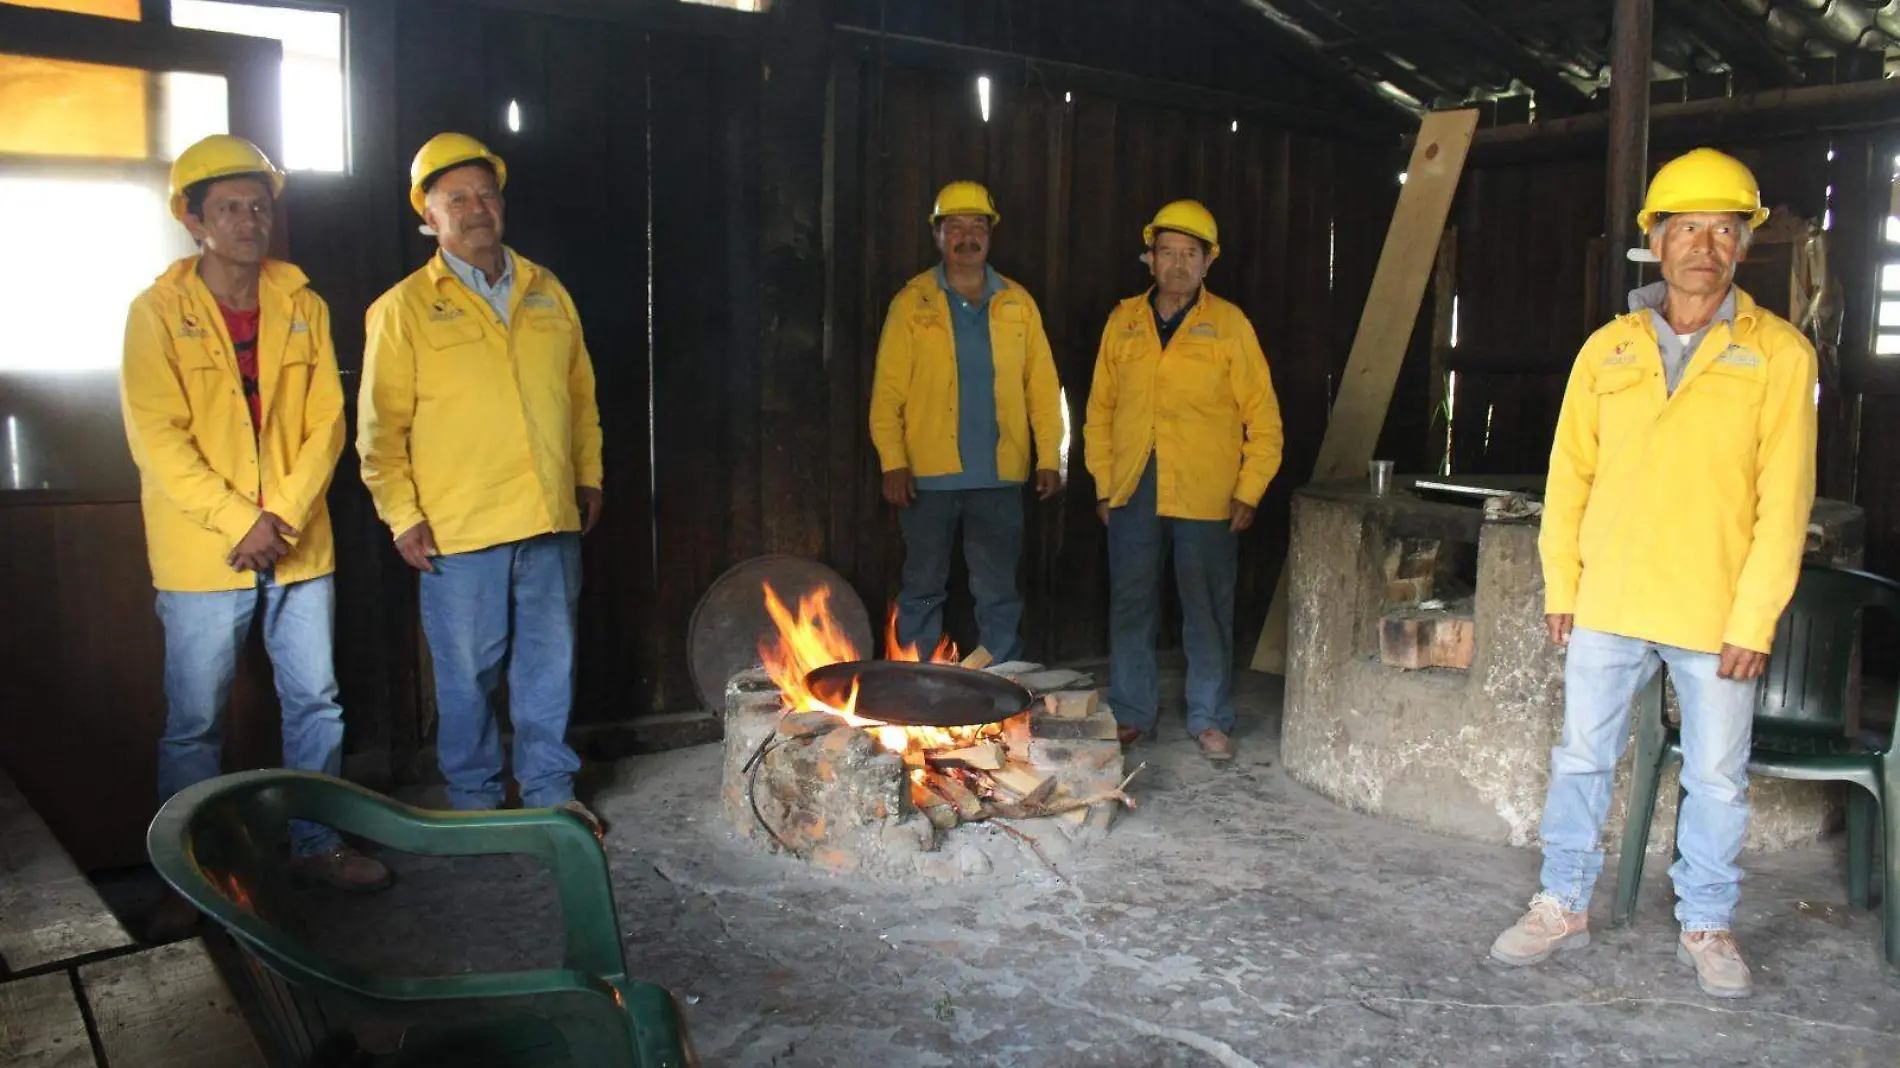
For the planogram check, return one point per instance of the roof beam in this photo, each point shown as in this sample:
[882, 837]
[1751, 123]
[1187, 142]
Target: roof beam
[1750, 117]
[1555, 96]
[1532, 16]
[1736, 40]
[1300, 56]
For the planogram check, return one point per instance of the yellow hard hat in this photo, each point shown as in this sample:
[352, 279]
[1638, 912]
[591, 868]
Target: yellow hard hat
[446, 150]
[1189, 217]
[964, 198]
[1703, 180]
[219, 156]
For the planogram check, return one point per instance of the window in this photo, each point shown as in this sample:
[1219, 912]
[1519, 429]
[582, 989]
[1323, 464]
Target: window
[314, 96]
[1887, 319]
[112, 9]
[736, 5]
[85, 158]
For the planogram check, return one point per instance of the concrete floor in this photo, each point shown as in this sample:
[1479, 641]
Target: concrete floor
[1235, 919]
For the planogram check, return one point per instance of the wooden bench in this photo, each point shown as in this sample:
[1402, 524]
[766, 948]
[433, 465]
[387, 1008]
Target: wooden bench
[75, 990]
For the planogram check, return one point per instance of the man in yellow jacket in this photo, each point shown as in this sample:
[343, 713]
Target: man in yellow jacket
[1183, 435]
[1674, 521]
[480, 442]
[234, 414]
[964, 380]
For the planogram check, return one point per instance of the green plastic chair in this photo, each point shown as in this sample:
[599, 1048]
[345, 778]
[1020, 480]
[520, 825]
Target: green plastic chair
[217, 844]
[1800, 733]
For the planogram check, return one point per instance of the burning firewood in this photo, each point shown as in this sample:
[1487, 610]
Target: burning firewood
[986, 756]
[967, 804]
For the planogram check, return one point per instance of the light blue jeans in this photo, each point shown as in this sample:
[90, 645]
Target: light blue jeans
[1602, 675]
[992, 547]
[515, 604]
[204, 633]
[1206, 565]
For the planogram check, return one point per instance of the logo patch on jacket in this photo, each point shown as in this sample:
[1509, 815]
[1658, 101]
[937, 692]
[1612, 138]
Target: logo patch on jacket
[1619, 356]
[298, 326]
[443, 310]
[189, 326]
[1737, 356]
[1203, 330]
[538, 299]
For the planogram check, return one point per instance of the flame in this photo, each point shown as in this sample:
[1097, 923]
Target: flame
[944, 653]
[810, 638]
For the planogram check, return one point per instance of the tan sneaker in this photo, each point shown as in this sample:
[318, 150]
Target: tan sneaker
[1719, 968]
[1215, 744]
[1546, 929]
[344, 868]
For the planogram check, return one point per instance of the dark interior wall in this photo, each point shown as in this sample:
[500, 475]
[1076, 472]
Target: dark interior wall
[731, 199]
[1301, 218]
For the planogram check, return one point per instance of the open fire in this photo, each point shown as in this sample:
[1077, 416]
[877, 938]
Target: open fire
[811, 638]
[1059, 758]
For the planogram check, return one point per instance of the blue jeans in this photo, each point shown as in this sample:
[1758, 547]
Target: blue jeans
[475, 606]
[1206, 562]
[1602, 675]
[992, 546]
[204, 633]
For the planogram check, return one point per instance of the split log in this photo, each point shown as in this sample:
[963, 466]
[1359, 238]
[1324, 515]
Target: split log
[984, 756]
[1022, 786]
[941, 814]
[967, 804]
[978, 659]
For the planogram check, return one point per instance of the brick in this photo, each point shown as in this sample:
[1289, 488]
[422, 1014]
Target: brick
[1408, 591]
[1404, 642]
[1076, 761]
[1072, 704]
[1098, 725]
[1454, 642]
[797, 723]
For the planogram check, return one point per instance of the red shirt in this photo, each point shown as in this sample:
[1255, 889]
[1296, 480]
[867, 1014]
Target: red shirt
[243, 328]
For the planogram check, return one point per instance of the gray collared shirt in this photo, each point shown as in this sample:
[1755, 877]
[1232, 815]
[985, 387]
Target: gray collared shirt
[497, 295]
[1676, 351]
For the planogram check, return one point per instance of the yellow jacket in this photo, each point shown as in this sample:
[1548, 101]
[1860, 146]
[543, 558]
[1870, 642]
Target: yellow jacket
[1681, 518]
[914, 390]
[1204, 408]
[482, 430]
[201, 466]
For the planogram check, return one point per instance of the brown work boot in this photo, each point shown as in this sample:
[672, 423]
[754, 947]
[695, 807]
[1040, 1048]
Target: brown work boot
[1127, 735]
[1215, 744]
[1546, 929]
[594, 823]
[344, 868]
[1719, 968]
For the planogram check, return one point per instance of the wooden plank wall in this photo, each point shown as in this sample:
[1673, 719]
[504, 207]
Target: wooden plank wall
[1075, 180]
[734, 410]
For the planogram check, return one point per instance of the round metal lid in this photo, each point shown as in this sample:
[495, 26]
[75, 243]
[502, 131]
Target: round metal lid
[920, 695]
[730, 623]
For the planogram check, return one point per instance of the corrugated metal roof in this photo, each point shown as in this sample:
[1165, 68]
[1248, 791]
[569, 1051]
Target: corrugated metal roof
[1437, 53]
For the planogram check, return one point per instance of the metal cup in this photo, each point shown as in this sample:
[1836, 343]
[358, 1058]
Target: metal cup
[1379, 474]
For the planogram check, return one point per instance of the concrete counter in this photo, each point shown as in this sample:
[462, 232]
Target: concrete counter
[1463, 752]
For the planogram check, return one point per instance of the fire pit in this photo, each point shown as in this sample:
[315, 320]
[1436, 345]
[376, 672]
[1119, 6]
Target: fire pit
[912, 765]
